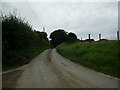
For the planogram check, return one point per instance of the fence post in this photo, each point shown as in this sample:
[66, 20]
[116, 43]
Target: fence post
[89, 36]
[99, 37]
[118, 35]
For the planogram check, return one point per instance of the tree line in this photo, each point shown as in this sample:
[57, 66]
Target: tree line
[61, 36]
[21, 43]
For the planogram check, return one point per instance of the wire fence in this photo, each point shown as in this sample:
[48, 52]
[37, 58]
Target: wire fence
[110, 36]
[114, 35]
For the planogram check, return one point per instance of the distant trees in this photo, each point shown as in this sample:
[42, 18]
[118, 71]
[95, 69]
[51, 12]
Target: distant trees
[72, 37]
[43, 38]
[103, 39]
[61, 36]
[20, 42]
[57, 37]
[89, 40]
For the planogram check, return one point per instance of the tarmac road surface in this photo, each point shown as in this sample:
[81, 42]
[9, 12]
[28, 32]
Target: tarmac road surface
[51, 70]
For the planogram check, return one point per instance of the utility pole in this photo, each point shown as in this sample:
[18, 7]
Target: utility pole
[118, 35]
[99, 37]
[43, 29]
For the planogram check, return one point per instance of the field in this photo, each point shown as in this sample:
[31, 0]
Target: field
[100, 56]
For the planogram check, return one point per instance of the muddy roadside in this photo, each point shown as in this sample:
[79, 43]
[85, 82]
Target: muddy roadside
[9, 79]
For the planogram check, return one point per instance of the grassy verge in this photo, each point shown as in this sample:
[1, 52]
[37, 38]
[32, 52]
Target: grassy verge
[100, 56]
[22, 57]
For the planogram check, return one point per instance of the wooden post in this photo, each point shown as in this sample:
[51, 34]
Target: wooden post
[81, 39]
[118, 35]
[99, 36]
[89, 36]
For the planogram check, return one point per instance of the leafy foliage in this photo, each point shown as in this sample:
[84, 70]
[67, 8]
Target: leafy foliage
[19, 42]
[89, 40]
[72, 37]
[60, 36]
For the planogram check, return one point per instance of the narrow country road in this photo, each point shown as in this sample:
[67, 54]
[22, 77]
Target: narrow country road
[51, 70]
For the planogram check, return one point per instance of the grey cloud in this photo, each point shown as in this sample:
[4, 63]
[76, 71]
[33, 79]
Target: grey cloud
[79, 17]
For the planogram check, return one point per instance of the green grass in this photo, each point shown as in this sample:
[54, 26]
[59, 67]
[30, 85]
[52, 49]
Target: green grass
[22, 57]
[100, 56]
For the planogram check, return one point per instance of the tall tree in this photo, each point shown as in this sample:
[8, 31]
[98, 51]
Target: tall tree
[57, 37]
[61, 36]
[72, 36]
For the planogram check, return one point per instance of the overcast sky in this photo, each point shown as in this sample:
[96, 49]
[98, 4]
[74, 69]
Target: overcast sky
[81, 18]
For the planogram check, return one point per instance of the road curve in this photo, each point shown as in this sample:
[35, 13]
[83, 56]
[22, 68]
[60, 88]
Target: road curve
[51, 70]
